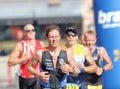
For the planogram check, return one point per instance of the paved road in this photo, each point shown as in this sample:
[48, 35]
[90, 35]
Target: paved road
[9, 84]
[8, 79]
[6, 85]
[9, 87]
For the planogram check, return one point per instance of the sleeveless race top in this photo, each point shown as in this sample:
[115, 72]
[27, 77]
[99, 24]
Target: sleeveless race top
[57, 78]
[92, 77]
[26, 48]
[79, 56]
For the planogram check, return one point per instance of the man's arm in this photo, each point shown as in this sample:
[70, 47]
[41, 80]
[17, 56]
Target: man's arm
[34, 61]
[40, 74]
[74, 71]
[71, 67]
[106, 58]
[14, 56]
[91, 68]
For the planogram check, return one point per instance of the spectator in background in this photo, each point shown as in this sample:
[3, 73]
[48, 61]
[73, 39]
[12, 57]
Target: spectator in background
[17, 33]
[3, 53]
[94, 81]
[22, 54]
[81, 54]
[56, 61]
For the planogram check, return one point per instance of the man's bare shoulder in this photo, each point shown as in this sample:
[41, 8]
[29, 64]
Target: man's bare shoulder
[102, 48]
[17, 50]
[103, 51]
[40, 51]
[18, 43]
[83, 46]
[18, 46]
[86, 49]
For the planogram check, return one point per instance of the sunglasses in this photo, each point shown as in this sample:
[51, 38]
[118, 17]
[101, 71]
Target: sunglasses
[30, 30]
[68, 35]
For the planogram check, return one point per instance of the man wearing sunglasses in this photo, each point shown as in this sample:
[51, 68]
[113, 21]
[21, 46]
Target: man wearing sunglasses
[81, 55]
[22, 54]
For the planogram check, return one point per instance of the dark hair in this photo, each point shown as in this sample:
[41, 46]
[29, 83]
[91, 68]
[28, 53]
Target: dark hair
[52, 27]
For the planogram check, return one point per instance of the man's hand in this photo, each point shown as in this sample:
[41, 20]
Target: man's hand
[65, 67]
[99, 71]
[81, 65]
[44, 76]
[26, 56]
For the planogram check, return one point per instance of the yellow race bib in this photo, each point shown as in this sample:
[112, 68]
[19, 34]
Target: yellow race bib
[94, 87]
[72, 86]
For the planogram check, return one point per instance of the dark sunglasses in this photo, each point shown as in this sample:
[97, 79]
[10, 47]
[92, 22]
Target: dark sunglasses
[30, 30]
[68, 35]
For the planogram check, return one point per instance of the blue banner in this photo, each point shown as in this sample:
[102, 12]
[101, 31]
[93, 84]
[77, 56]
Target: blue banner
[107, 24]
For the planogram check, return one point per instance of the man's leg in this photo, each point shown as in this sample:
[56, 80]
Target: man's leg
[22, 83]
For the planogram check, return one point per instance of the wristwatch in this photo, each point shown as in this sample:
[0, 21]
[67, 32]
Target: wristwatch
[103, 69]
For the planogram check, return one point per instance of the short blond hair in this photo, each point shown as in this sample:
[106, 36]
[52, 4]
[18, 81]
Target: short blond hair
[91, 32]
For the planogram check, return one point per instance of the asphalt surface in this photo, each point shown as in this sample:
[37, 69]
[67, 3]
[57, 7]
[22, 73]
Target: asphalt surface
[8, 78]
[9, 87]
